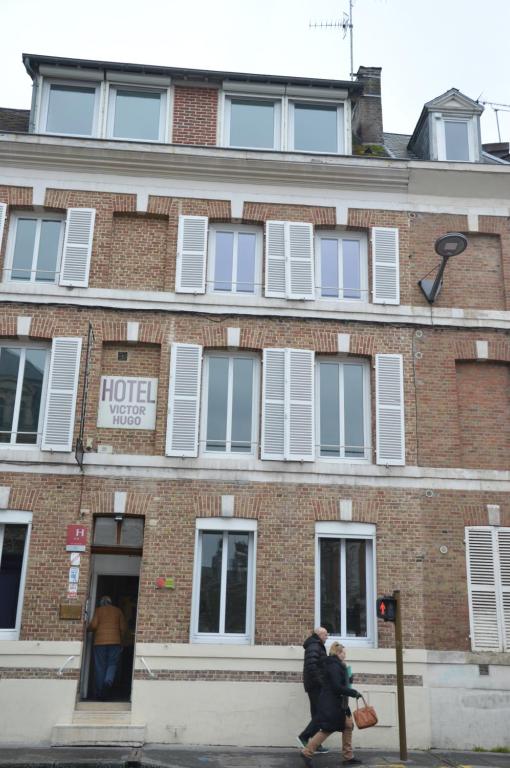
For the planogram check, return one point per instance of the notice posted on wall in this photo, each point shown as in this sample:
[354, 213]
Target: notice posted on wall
[127, 402]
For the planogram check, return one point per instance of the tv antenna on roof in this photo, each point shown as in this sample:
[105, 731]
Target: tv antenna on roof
[345, 25]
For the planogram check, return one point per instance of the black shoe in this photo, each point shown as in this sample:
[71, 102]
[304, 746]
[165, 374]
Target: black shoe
[353, 761]
[322, 750]
[307, 760]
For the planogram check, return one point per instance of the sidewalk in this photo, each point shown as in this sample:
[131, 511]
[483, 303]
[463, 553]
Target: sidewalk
[164, 756]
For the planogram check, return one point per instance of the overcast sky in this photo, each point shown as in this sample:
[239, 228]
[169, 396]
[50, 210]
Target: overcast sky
[424, 47]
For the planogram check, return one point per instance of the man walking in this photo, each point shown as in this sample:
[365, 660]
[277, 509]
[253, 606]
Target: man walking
[108, 626]
[315, 654]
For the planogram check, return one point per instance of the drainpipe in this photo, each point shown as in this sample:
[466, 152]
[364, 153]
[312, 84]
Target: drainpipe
[35, 89]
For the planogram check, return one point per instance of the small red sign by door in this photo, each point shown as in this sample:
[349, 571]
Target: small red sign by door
[76, 538]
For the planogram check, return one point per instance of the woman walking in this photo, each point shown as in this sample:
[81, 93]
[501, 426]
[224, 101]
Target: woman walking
[333, 703]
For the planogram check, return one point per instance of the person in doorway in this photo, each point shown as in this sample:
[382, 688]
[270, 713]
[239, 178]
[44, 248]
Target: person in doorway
[315, 655]
[333, 708]
[108, 625]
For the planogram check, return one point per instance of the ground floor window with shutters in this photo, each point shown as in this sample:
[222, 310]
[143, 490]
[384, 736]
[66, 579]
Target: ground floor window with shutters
[14, 540]
[229, 408]
[342, 408]
[345, 581]
[341, 266]
[35, 247]
[223, 600]
[488, 573]
[23, 382]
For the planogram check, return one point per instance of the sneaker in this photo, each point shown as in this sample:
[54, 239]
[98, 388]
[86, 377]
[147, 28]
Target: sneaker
[307, 760]
[321, 750]
[301, 742]
[353, 761]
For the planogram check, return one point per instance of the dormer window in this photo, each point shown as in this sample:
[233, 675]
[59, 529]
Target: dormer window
[70, 109]
[137, 114]
[253, 123]
[316, 127]
[456, 140]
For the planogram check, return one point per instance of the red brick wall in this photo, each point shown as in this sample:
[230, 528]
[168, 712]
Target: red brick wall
[139, 259]
[195, 115]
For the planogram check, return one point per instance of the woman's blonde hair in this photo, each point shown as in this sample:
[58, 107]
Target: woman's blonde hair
[335, 647]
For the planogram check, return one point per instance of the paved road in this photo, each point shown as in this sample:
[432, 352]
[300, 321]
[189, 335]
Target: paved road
[164, 756]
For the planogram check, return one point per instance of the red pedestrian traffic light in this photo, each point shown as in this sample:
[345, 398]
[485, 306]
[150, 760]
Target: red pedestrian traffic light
[386, 608]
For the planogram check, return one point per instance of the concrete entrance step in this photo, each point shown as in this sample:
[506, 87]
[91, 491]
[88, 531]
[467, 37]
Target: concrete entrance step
[102, 717]
[94, 733]
[103, 706]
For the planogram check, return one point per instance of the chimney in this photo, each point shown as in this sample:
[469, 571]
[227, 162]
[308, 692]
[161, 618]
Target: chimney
[367, 124]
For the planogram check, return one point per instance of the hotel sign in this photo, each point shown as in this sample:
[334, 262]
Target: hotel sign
[127, 402]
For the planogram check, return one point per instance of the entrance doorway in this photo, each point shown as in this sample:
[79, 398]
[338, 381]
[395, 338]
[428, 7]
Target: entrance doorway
[117, 576]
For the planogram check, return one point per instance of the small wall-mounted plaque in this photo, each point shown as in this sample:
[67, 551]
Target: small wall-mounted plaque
[70, 612]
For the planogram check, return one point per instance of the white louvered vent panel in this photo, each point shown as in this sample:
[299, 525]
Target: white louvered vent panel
[273, 398]
[301, 405]
[275, 259]
[184, 400]
[77, 250]
[385, 250]
[191, 254]
[390, 410]
[301, 261]
[61, 396]
[3, 215]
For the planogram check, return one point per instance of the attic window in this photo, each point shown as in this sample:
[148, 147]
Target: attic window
[456, 139]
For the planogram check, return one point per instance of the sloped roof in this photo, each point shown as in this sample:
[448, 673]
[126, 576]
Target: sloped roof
[14, 120]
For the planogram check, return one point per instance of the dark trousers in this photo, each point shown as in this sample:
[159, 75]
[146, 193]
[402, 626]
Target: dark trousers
[106, 660]
[311, 729]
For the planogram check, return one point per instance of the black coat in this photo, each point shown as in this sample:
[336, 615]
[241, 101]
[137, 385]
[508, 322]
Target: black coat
[332, 703]
[315, 655]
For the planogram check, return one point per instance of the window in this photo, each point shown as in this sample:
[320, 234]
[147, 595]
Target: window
[316, 127]
[224, 581]
[234, 260]
[22, 384]
[14, 539]
[342, 409]
[456, 137]
[230, 397]
[345, 588]
[253, 123]
[342, 266]
[137, 114]
[488, 570]
[70, 109]
[118, 531]
[35, 248]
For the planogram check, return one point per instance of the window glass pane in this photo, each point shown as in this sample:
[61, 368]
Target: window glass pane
[237, 582]
[137, 115]
[24, 249]
[329, 410]
[210, 582]
[105, 531]
[48, 251]
[9, 368]
[11, 564]
[330, 585]
[245, 277]
[71, 109]
[456, 140]
[242, 399]
[217, 398]
[224, 254]
[353, 405]
[131, 532]
[252, 124]
[329, 267]
[356, 587]
[30, 404]
[315, 128]
[351, 269]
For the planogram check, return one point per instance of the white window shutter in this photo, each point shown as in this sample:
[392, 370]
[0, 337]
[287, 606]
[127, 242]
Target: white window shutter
[390, 425]
[191, 254]
[61, 394]
[300, 405]
[184, 400]
[503, 535]
[483, 602]
[301, 271]
[385, 265]
[77, 249]
[3, 215]
[275, 259]
[273, 404]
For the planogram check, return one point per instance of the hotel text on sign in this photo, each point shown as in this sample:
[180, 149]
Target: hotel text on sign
[127, 402]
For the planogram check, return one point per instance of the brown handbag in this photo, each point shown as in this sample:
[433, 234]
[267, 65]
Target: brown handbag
[365, 716]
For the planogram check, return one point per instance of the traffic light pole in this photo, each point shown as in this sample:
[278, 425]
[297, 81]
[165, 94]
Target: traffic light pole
[400, 678]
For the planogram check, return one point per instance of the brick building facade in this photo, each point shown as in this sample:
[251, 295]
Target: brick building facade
[216, 360]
